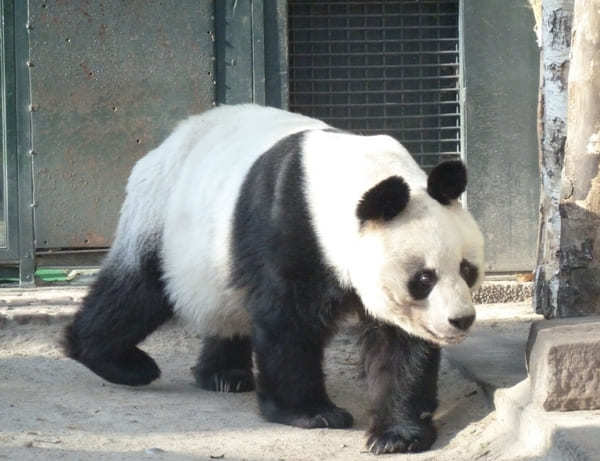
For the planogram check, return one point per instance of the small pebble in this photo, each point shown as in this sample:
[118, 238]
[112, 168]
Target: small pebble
[154, 451]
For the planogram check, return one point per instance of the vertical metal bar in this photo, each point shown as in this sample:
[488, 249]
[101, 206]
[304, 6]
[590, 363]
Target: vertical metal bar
[10, 252]
[462, 92]
[276, 53]
[257, 64]
[239, 49]
[24, 145]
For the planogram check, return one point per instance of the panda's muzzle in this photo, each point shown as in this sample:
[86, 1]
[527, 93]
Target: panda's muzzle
[462, 323]
[444, 340]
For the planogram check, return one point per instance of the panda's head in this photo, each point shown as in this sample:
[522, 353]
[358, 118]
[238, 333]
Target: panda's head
[419, 255]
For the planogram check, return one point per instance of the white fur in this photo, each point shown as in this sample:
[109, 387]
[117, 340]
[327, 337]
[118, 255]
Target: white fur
[183, 195]
[377, 260]
[185, 191]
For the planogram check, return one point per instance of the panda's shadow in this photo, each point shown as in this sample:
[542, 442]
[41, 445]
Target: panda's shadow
[461, 401]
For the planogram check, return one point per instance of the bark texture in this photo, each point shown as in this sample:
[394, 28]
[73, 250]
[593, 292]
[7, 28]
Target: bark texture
[579, 280]
[555, 41]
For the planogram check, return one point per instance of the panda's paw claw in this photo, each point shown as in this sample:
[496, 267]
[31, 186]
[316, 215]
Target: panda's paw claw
[329, 417]
[236, 380]
[397, 440]
[333, 418]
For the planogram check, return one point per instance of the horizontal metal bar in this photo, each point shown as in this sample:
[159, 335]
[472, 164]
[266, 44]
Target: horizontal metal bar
[294, 15]
[385, 54]
[398, 27]
[374, 66]
[425, 141]
[375, 104]
[374, 79]
[407, 130]
[372, 2]
[393, 118]
[375, 53]
[384, 91]
[336, 122]
[375, 41]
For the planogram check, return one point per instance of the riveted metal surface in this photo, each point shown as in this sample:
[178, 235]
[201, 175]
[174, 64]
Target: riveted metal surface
[109, 81]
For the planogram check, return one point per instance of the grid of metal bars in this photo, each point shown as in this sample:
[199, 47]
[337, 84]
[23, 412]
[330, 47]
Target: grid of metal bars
[380, 67]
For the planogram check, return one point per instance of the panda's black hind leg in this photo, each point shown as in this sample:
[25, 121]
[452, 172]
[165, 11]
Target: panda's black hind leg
[121, 309]
[225, 365]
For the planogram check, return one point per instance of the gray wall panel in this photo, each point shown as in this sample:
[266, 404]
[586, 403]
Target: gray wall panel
[501, 78]
[109, 80]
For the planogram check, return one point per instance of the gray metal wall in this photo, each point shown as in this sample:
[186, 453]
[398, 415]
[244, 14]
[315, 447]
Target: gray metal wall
[501, 68]
[92, 86]
[108, 82]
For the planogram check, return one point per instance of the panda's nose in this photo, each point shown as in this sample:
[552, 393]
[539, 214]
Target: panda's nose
[462, 323]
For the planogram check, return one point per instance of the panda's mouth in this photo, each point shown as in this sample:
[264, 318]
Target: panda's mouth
[445, 340]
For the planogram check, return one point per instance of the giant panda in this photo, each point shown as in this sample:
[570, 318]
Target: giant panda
[263, 228]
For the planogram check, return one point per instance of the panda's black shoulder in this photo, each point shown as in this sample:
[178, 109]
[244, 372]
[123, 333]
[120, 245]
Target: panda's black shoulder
[272, 224]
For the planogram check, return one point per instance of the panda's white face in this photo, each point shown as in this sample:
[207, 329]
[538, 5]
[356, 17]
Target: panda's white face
[418, 270]
[394, 234]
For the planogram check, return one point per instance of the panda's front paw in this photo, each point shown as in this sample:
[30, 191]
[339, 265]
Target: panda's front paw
[400, 439]
[225, 380]
[333, 418]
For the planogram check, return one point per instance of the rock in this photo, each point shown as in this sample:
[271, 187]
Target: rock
[563, 359]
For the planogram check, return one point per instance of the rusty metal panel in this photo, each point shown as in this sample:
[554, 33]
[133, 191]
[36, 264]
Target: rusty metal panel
[109, 80]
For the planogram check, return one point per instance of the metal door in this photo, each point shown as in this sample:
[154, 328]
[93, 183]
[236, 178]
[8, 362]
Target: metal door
[109, 80]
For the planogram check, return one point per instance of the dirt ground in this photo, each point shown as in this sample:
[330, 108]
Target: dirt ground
[54, 408]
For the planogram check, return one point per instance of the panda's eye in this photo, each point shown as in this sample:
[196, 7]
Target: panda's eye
[421, 283]
[468, 272]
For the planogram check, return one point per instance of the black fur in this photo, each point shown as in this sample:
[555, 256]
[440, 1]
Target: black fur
[384, 201]
[447, 181]
[294, 301]
[421, 283]
[225, 365]
[293, 298]
[462, 323]
[402, 373]
[469, 272]
[120, 310]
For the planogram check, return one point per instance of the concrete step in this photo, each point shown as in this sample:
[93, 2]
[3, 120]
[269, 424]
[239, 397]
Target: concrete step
[495, 357]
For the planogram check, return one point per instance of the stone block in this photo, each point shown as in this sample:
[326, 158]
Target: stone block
[563, 360]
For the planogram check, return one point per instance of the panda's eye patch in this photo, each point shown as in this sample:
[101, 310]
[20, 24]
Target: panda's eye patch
[468, 272]
[421, 283]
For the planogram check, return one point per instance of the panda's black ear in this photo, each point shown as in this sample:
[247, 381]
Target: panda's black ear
[383, 201]
[447, 181]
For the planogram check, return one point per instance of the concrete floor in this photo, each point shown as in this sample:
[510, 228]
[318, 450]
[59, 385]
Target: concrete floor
[54, 408]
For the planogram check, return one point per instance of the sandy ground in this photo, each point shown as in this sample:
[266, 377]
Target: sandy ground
[54, 408]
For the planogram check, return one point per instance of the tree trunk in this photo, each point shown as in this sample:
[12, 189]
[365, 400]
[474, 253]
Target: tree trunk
[554, 33]
[579, 280]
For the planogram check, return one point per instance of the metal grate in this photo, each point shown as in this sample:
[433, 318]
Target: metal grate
[380, 67]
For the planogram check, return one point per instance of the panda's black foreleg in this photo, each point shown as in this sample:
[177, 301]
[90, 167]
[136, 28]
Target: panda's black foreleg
[402, 373]
[290, 381]
[225, 365]
[120, 310]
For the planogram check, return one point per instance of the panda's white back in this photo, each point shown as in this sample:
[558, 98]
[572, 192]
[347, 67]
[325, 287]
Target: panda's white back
[181, 198]
[212, 154]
